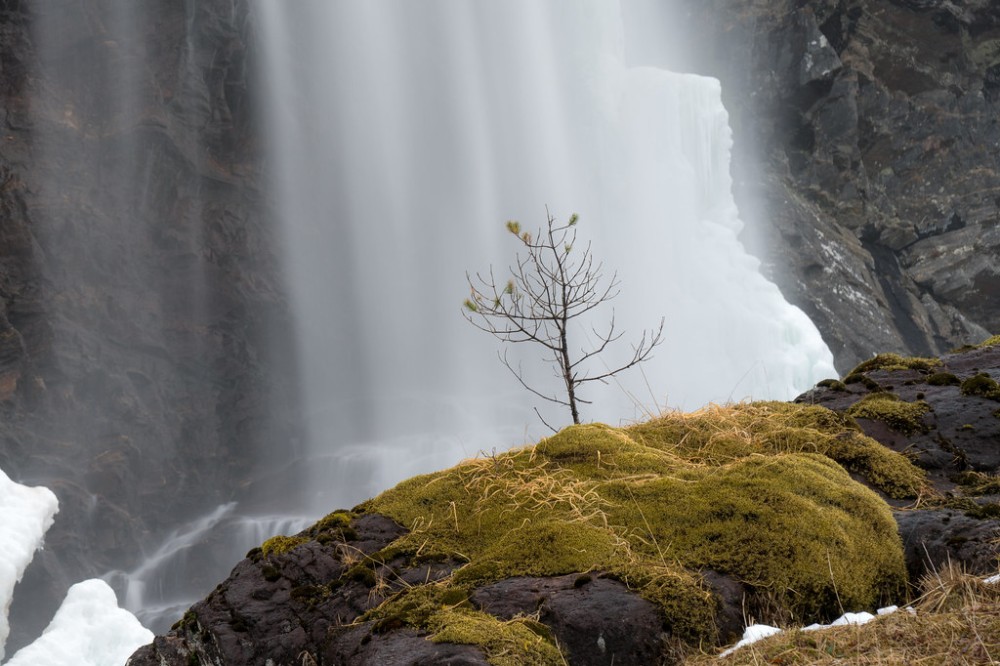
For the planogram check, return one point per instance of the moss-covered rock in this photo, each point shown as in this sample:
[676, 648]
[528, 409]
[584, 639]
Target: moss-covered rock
[446, 616]
[981, 384]
[279, 545]
[896, 362]
[716, 435]
[992, 341]
[943, 379]
[902, 416]
[752, 491]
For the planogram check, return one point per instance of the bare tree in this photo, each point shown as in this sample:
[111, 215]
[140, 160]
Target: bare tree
[549, 286]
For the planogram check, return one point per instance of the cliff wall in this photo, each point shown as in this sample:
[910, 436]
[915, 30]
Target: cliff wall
[139, 288]
[866, 138]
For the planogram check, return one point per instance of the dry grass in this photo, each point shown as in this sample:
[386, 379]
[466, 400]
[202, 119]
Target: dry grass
[956, 621]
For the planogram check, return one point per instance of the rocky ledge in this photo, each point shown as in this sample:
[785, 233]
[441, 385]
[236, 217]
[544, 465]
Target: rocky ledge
[634, 545]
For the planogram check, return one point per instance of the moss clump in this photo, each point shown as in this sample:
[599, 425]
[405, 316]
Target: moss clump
[187, 622]
[279, 545]
[989, 342]
[833, 384]
[901, 416]
[978, 483]
[335, 526]
[546, 549]
[864, 380]
[746, 519]
[717, 435]
[943, 379]
[981, 385]
[896, 362]
[749, 490]
[446, 615]
[989, 511]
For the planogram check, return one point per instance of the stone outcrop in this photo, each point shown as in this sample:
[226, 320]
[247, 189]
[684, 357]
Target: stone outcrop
[866, 141]
[138, 283]
[945, 415]
[359, 588]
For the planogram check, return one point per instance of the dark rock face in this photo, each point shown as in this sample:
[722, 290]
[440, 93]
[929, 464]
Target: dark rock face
[308, 601]
[596, 621]
[866, 136]
[957, 443]
[138, 283]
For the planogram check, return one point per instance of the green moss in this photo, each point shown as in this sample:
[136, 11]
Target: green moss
[546, 549]
[335, 526]
[901, 416]
[864, 380]
[188, 621]
[445, 614]
[885, 469]
[943, 379]
[832, 384]
[981, 385]
[749, 490]
[896, 362]
[978, 483]
[719, 435]
[984, 511]
[279, 545]
[746, 519]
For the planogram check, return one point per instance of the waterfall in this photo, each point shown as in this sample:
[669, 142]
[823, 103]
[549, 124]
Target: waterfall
[174, 575]
[403, 135]
[400, 137]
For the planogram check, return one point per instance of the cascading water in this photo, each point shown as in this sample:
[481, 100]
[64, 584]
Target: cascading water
[402, 135]
[176, 568]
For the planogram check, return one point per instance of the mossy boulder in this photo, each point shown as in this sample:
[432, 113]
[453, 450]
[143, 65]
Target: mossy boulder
[982, 385]
[522, 557]
[902, 416]
[896, 362]
[752, 491]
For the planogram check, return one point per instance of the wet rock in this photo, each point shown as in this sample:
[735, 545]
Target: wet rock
[596, 621]
[958, 521]
[934, 538]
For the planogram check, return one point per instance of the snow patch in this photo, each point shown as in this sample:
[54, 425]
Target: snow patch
[25, 515]
[89, 629]
[756, 632]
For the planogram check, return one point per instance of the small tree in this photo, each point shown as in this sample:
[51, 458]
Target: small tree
[549, 287]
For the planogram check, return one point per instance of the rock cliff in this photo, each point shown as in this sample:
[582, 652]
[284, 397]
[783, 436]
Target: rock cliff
[866, 140]
[138, 281]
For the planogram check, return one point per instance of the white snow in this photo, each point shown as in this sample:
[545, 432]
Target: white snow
[847, 618]
[756, 632]
[89, 629]
[752, 634]
[25, 515]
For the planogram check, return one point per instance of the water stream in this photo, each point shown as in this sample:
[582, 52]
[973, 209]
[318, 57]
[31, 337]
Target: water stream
[403, 135]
